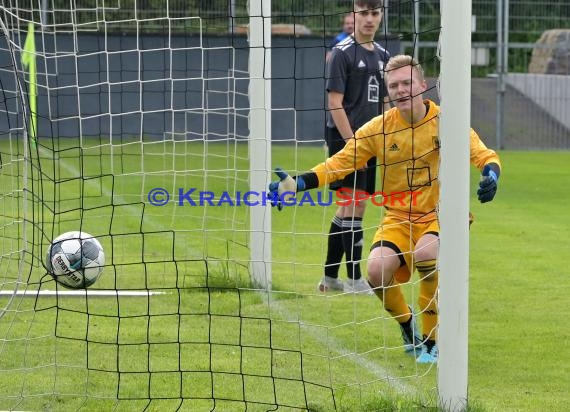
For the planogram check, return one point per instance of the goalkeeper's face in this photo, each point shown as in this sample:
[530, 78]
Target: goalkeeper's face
[405, 87]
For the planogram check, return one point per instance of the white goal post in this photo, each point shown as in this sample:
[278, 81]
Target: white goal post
[455, 92]
[259, 38]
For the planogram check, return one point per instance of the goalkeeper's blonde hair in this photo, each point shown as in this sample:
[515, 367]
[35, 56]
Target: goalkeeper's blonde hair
[402, 60]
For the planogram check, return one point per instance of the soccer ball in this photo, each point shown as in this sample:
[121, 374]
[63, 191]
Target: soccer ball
[75, 259]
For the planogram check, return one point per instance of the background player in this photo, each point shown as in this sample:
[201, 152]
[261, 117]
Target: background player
[356, 94]
[347, 30]
[406, 141]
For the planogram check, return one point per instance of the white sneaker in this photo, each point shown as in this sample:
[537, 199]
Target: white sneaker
[358, 286]
[327, 283]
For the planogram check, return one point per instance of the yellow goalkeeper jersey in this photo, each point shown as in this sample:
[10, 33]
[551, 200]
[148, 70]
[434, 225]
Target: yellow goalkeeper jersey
[408, 159]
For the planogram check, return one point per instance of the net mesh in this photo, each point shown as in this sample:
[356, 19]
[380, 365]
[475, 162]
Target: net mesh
[141, 140]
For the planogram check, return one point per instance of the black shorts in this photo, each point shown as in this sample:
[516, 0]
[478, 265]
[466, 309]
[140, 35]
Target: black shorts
[363, 179]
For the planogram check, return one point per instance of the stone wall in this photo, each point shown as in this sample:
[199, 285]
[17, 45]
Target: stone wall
[553, 57]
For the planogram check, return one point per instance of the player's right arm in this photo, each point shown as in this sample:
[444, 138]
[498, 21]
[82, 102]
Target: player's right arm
[338, 114]
[337, 78]
[352, 157]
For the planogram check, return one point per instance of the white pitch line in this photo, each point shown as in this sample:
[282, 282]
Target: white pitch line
[338, 347]
[80, 292]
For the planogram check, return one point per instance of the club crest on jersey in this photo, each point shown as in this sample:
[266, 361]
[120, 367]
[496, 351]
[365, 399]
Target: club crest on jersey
[436, 144]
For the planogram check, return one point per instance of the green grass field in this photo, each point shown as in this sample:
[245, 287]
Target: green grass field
[518, 287]
[208, 333]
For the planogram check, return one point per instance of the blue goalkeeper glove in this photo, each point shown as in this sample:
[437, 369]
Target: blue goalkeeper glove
[487, 185]
[285, 188]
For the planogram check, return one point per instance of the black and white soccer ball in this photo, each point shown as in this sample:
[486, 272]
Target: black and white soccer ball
[75, 259]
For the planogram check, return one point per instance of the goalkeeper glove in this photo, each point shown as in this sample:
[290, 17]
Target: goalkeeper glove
[285, 188]
[487, 185]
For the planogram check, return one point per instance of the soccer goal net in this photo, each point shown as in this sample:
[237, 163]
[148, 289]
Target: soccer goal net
[155, 126]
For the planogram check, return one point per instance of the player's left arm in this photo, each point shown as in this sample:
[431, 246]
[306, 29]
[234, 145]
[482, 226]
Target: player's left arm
[489, 163]
[385, 104]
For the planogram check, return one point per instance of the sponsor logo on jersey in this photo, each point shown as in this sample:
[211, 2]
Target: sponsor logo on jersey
[361, 64]
[373, 89]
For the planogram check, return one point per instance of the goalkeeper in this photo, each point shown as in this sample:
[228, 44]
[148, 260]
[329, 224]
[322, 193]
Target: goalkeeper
[405, 141]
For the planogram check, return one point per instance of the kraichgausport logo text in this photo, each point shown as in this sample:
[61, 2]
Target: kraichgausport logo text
[344, 197]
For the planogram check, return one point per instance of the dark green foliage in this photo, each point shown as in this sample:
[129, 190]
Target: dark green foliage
[323, 17]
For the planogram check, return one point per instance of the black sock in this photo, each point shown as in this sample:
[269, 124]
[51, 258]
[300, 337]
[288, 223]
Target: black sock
[335, 249]
[352, 241]
[429, 343]
[408, 323]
